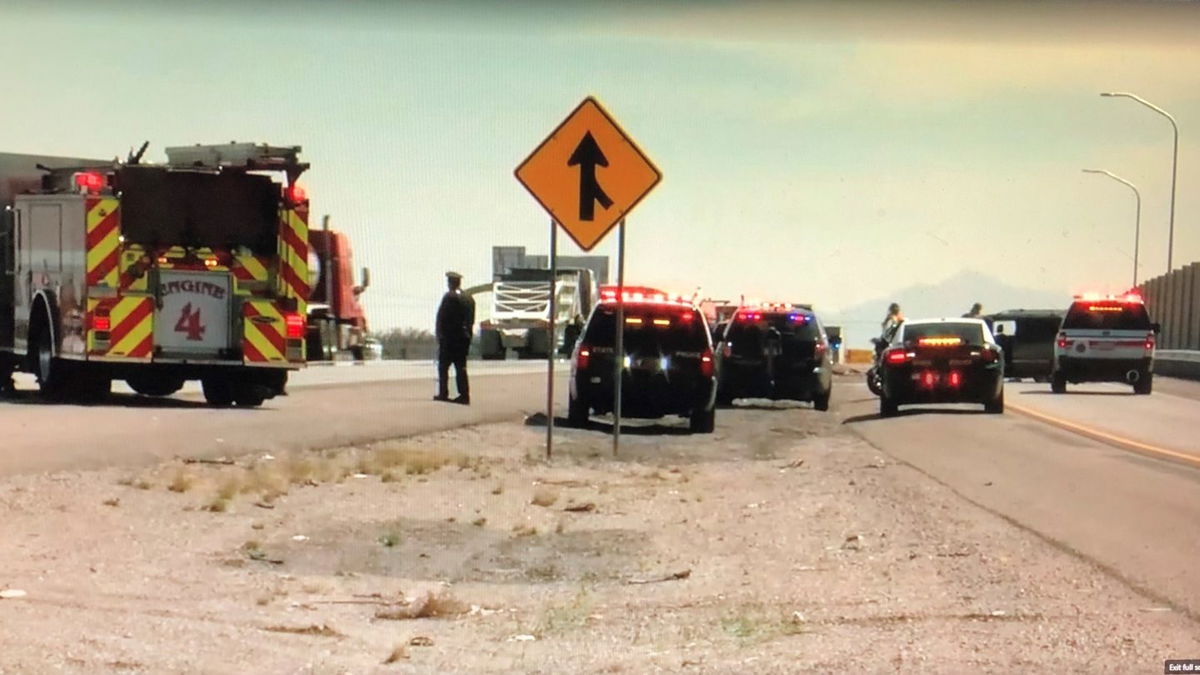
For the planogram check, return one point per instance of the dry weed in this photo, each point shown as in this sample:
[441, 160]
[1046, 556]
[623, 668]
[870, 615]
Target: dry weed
[400, 653]
[428, 605]
[115, 501]
[230, 488]
[182, 482]
[315, 629]
[217, 505]
[544, 496]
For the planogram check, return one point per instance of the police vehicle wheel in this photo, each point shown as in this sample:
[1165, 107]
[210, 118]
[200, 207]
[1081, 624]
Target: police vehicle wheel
[887, 407]
[703, 421]
[218, 391]
[996, 405]
[1145, 384]
[577, 413]
[821, 402]
[1058, 384]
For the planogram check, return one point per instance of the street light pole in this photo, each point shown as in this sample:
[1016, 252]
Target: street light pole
[1174, 165]
[1137, 226]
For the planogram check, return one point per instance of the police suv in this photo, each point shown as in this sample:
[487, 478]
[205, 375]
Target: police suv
[1105, 339]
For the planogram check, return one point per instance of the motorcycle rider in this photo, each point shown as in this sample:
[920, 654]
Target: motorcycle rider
[891, 322]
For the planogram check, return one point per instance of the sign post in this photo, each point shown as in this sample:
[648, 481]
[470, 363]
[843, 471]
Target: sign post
[553, 340]
[588, 175]
[619, 362]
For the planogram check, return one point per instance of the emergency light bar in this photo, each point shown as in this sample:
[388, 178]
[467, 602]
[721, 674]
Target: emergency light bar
[1099, 297]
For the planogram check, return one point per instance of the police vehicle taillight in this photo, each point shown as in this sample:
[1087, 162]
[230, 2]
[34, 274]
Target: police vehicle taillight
[706, 363]
[584, 357]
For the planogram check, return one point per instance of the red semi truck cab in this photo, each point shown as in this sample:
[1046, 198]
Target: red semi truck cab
[337, 323]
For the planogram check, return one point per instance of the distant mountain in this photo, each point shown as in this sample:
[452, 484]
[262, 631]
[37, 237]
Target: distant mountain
[950, 298]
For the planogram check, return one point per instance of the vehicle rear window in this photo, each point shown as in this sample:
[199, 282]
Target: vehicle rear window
[970, 333]
[1107, 316]
[678, 333]
[743, 333]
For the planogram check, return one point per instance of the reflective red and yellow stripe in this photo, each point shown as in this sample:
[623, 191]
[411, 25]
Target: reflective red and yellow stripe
[251, 273]
[103, 240]
[264, 334]
[131, 328]
[293, 256]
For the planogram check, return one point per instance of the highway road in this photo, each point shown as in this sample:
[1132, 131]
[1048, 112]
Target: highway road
[1110, 476]
[326, 406]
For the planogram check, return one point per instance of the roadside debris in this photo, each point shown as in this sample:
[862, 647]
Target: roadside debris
[794, 464]
[522, 638]
[323, 630]
[586, 507]
[225, 461]
[12, 594]
[428, 605]
[421, 641]
[674, 576]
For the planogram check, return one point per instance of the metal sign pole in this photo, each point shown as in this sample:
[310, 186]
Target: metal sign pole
[553, 339]
[619, 366]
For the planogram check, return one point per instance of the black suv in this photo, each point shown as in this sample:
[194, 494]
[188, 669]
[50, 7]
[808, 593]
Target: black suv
[668, 368]
[776, 352]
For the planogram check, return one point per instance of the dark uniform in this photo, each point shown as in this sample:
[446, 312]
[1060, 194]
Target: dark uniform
[455, 325]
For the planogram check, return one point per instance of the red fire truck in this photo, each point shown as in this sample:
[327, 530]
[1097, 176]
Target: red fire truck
[195, 269]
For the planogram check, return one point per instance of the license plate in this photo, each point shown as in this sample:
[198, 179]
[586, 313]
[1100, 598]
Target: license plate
[1105, 346]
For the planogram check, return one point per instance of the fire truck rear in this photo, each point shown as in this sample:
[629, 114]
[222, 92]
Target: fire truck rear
[155, 274]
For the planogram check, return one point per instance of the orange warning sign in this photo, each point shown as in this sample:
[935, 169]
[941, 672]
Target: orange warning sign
[588, 174]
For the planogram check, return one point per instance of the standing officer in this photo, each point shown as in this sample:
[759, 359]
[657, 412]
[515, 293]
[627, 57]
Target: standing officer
[455, 325]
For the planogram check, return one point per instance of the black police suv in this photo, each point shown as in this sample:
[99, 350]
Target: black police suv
[667, 368]
[942, 361]
[775, 352]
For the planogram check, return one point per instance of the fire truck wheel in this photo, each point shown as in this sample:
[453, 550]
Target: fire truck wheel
[218, 391]
[48, 368]
[247, 395]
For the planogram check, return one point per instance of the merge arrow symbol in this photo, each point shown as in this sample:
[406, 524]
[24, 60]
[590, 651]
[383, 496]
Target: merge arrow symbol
[587, 157]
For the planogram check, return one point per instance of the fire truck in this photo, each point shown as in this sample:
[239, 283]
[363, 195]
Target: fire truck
[337, 324]
[156, 274]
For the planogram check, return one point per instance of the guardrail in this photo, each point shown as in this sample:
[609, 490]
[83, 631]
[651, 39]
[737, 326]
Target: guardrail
[1172, 299]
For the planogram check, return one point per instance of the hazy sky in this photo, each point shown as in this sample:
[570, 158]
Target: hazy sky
[814, 153]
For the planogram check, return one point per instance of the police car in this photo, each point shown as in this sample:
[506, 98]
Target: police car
[1105, 338]
[667, 367]
[775, 351]
[942, 361]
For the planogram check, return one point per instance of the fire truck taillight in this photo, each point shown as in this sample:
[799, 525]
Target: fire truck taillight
[295, 326]
[101, 323]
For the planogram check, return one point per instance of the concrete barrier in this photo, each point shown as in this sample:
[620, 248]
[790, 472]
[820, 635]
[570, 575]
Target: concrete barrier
[1177, 363]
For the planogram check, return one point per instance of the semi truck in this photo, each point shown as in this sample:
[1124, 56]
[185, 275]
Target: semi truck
[520, 312]
[337, 324]
[155, 274]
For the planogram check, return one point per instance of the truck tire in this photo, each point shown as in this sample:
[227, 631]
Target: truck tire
[313, 347]
[218, 391]
[154, 385]
[48, 368]
[249, 394]
[491, 348]
[358, 353]
[703, 421]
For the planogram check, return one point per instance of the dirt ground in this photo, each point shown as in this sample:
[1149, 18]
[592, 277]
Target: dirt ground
[782, 543]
